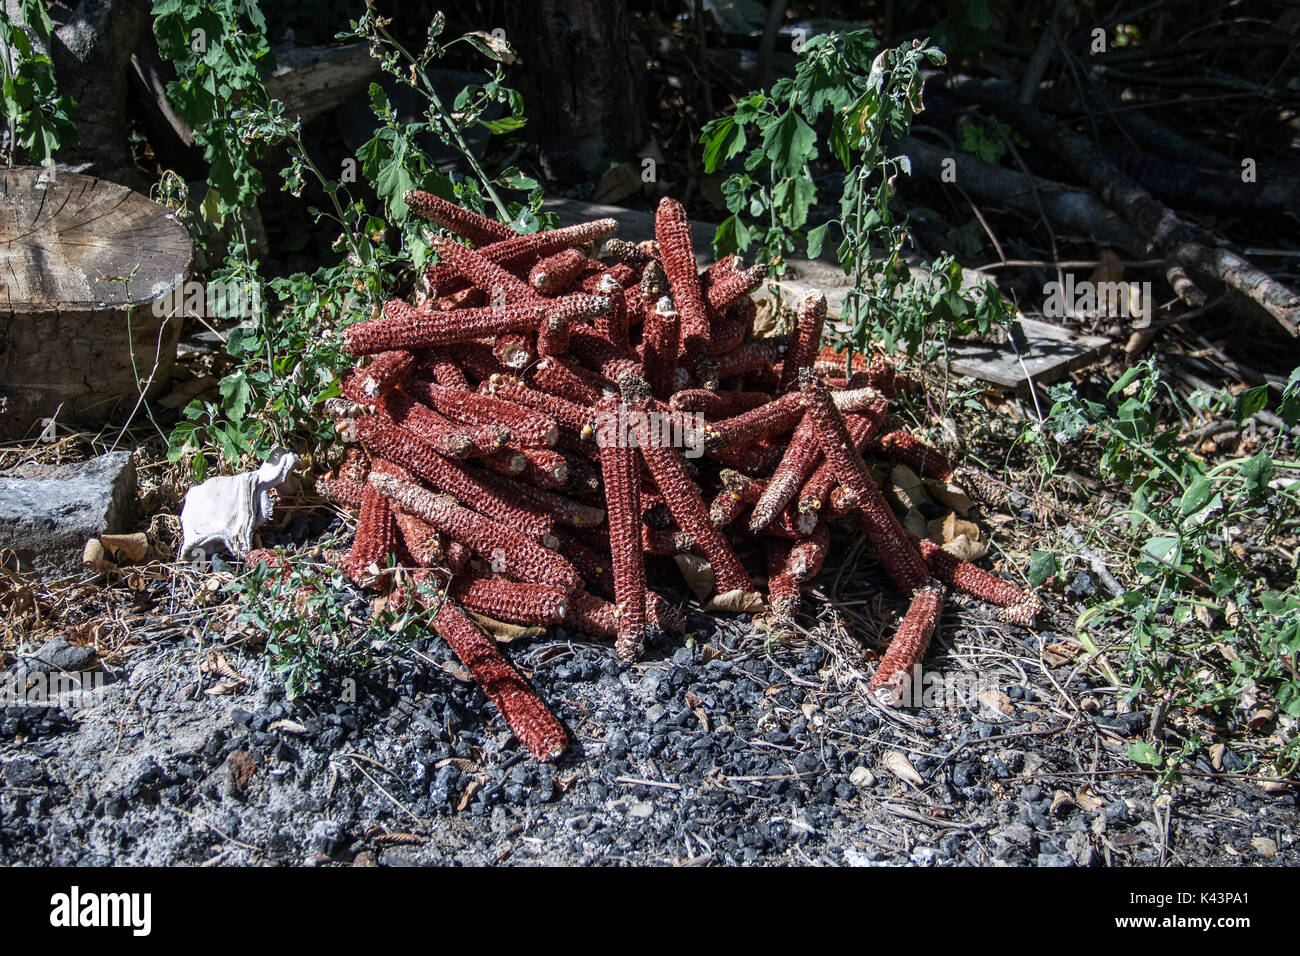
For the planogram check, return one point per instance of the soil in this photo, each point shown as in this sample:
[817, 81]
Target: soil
[735, 747]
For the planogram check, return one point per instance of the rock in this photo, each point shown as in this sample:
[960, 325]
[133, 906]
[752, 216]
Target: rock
[862, 778]
[47, 513]
[58, 656]
[327, 837]
[641, 810]
[22, 774]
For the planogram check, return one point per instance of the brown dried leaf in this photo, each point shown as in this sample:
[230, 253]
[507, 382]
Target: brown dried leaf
[996, 702]
[94, 557]
[503, 632]
[1086, 799]
[898, 764]
[736, 602]
[133, 547]
[950, 495]
[698, 574]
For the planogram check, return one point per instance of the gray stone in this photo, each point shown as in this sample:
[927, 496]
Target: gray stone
[47, 513]
[58, 656]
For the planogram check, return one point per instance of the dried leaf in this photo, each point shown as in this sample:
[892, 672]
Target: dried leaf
[907, 488]
[1267, 848]
[950, 495]
[898, 764]
[133, 547]
[736, 602]
[216, 663]
[1086, 799]
[288, 726]
[698, 574]
[94, 557]
[503, 632]
[997, 703]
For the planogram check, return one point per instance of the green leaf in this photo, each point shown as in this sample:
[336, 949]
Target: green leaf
[1196, 495]
[817, 239]
[1125, 380]
[1042, 565]
[722, 139]
[793, 198]
[1142, 752]
[503, 125]
[1248, 403]
[789, 144]
[1257, 472]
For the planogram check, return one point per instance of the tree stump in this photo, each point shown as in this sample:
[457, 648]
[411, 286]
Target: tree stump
[88, 272]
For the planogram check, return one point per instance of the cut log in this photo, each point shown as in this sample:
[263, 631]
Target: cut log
[75, 339]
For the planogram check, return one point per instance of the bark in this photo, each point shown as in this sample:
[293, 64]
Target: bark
[91, 49]
[586, 80]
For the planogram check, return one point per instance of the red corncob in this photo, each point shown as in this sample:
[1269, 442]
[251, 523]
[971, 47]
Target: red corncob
[612, 323]
[342, 491]
[677, 254]
[728, 334]
[507, 461]
[513, 601]
[1018, 607]
[782, 590]
[599, 353]
[861, 426]
[659, 356]
[750, 357]
[509, 551]
[510, 390]
[501, 286]
[811, 316]
[725, 508]
[897, 553]
[893, 676]
[683, 497]
[527, 716]
[756, 459]
[386, 371]
[665, 542]
[554, 273]
[556, 377]
[796, 464]
[902, 447]
[545, 468]
[376, 533]
[386, 440]
[436, 364]
[479, 230]
[421, 539]
[619, 468]
[728, 287]
[528, 428]
[443, 436]
[519, 252]
[514, 351]
[770, 420]
[594, 565]
[405, 327]
[715, 405]
[592, 615]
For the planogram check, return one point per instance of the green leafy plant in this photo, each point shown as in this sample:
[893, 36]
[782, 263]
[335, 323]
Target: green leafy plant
[869, 99]
[310, 626]
[39, 119]
[1214, 628]
[287, 355]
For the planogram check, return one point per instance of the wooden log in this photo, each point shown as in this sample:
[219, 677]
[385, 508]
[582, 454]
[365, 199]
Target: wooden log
[73, 338]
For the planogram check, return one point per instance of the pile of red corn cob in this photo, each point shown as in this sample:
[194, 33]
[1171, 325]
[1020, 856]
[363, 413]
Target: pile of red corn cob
[541, 424]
